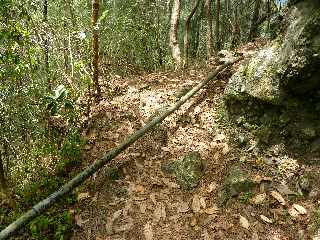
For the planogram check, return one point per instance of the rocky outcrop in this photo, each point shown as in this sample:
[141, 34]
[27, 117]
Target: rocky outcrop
[280, 86]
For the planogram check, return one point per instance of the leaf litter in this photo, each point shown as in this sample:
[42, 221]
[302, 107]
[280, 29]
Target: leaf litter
[145, 203]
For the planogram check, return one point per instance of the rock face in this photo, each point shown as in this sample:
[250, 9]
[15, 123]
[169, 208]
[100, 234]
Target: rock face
[188, 171]
[281, 84]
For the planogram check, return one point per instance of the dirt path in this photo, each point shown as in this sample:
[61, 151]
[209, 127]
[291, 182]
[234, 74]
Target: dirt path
[142, 202]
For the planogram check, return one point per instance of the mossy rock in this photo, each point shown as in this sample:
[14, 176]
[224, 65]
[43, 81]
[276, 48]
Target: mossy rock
[278, 90]
[288, 65]
[236, 182]
[188, 171]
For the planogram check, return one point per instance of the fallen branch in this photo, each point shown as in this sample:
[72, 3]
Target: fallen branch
[81, 177]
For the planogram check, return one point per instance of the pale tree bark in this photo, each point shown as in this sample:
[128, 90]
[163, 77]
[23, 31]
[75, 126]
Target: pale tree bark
[236, 31]
[95, 47]
[209, 30]
[46, 44]
[187, 31]
[254, 21]
[3, 181]
[65, 40]
[173, 35]
[67, 46]
[218, 41]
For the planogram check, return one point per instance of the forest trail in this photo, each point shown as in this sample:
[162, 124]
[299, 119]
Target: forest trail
[144, 197]
[137, 200]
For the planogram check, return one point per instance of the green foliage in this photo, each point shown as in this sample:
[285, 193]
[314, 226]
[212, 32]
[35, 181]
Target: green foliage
[246, 197]
[56, 102]
[54, 226]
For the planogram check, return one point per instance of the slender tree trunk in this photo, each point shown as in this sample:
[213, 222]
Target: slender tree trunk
[254, 21]
[95, 47]
[173, 35]
[218, 40]
[236, 32]
[187, 31]
[65, 41]
[3, 181]
[209, 30]
[46, 45]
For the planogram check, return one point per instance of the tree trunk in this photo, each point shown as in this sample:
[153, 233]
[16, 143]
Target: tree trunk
[95, 47]
[46, 44]
[186, 33]
[65, 40]
[254, 21]
[173, 35]
[209, 30]
[3, 181]
[236, 32]
[218, 41]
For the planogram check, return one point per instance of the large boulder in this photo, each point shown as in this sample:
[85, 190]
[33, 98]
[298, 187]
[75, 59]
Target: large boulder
[281, 84]
[289, 66]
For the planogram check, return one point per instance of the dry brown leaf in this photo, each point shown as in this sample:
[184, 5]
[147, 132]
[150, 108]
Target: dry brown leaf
[244, 222]
[265, 219]
[216, 155]
[225, 149]
[212, 210]
[125, 227]
[82, 196]
[165, 149]
[293, 212]
[300, 209]
[148, 232]
[219, 137]
[153, 198]
[159, 212]
[116, 215]
[258, 179]
[139, 188]
[193, 221]
[143, 207]
[196, 205]
[278, 197]
[255, 236]
[259, 199]
[211, 187]
[79, 221]
[169, 183]
[203, 203]
[183, 207]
